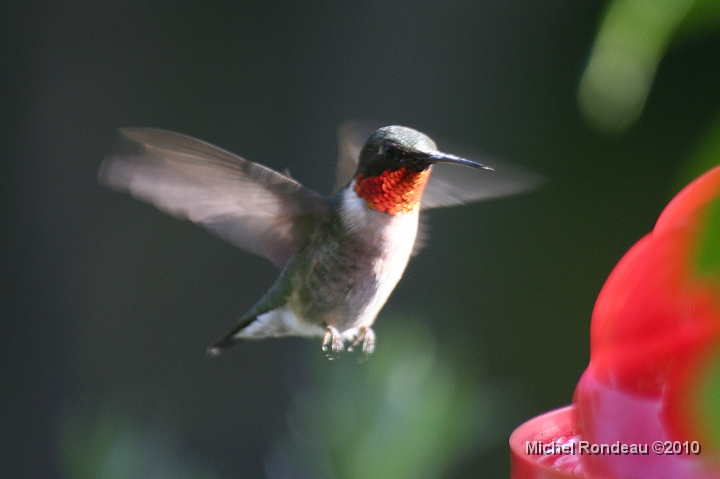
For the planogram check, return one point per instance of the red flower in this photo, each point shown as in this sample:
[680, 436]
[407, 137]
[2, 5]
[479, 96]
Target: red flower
[654, 370]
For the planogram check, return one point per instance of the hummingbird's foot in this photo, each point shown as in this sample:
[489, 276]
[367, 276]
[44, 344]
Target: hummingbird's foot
[332, 343]
[366, 337]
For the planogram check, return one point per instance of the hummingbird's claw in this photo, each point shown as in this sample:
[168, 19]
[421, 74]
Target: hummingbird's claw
[332, 343]
[366, 337]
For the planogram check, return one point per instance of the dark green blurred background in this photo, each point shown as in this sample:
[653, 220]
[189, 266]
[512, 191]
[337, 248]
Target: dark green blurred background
[108, 305]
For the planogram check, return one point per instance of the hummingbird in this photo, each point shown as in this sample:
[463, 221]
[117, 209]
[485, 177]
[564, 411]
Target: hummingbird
[341, 256]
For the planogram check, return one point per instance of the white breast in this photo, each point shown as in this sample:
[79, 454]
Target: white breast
[393, 235]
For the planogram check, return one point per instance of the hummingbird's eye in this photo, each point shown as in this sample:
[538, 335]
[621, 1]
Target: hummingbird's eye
[389, 152]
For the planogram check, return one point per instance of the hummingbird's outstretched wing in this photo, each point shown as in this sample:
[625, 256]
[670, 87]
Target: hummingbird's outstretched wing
[249, 205]
[449, 185]
[351, 137]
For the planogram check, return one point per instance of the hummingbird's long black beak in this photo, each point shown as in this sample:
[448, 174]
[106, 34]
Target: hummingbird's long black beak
[440, 157]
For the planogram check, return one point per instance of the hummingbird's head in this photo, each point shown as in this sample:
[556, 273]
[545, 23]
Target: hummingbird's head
[394, 167]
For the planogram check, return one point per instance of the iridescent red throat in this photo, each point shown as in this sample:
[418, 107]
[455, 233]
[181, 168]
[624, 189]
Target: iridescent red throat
[393, 191]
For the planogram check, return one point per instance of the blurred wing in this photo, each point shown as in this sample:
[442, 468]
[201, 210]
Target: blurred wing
[351, 138]
[249, 205]
[451, 185]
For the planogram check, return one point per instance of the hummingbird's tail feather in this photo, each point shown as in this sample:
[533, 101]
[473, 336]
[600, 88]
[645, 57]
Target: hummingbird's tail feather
[220, 346]
[230, 338]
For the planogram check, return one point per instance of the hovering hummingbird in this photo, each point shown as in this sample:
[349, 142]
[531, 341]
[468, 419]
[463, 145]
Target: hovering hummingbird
[342, 255]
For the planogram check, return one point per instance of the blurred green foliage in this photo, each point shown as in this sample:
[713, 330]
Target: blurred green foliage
[411, 411]
[708, 252]
[631, 41]
[709, 404]
[98, 441]
[703, 18]
[705, 156]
